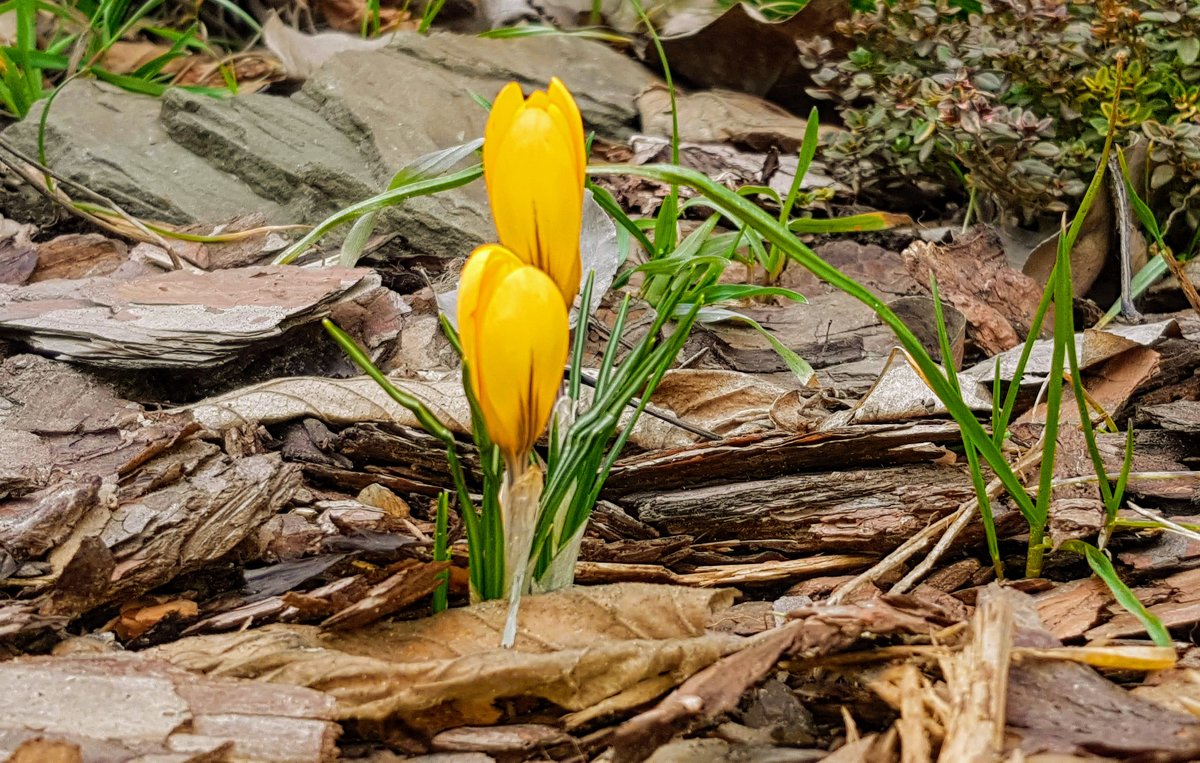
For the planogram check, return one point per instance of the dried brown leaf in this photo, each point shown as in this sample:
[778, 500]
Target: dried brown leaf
[575, 648]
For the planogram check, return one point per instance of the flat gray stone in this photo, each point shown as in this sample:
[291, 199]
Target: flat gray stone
[360, 118]
[112, 142]
[283, 151]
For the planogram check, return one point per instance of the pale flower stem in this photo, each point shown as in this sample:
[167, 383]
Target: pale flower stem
[519, 498]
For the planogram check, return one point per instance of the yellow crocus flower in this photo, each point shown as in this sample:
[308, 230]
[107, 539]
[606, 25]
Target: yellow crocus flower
[512, 324]
[533, 164]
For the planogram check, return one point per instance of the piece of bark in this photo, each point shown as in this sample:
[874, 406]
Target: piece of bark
[513, 738]
[78, 255]
[1179, 416]
[1066, 707]
[864, 510]
[1070, 609]
[124, 707]
[974, 276]
[410, 582]
[183, 526]
[633, 551]
[31, 526]
[718, 688]
[771, 455]
[1180, 609]
[977, 682]
[18, 253]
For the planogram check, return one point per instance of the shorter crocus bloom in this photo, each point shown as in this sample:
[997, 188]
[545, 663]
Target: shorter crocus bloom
[533, 164]
[512, 323]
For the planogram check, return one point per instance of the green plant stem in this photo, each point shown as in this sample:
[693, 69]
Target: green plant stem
[441, 551]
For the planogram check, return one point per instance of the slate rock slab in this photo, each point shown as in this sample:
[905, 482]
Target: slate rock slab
[174, 320]
[295, 159]
[113, 142]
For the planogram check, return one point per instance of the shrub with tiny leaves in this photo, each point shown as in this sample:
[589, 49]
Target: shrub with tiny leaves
[1018, 97]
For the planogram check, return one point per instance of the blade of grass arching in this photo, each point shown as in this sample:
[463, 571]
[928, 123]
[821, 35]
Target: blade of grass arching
[424, 167]
[724, 292]
[241, 14]
[1103, 568]
[356, 240]
[808, 152]
[868, 221]
[796, 364]
[574, 381]
[610, 205]
[734, 207]
[376, 203]
[441, 552]
[591, 32]
[973, 465]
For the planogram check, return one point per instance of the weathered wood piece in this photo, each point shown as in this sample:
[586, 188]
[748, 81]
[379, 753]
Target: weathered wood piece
[977, 682]
[761, 456]
[1066, 707]
[868, 510]
[125, 708]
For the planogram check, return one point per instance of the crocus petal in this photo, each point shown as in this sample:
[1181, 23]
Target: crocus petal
[536, 198]
[485, 269]
[523, 347]
[534, 164]
[560, 97]
[509, 102]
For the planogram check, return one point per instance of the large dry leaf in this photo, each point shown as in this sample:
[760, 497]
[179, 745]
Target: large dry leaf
[723, 402]
[302, 54]
[973, 275]
[575, 648]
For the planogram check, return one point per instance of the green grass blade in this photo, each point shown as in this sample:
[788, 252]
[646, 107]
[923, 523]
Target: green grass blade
[375, 203]
[1102, 566]
[737, 208]
[441, 551]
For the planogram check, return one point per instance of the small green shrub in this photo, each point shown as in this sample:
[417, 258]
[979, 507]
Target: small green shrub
[1017, 96]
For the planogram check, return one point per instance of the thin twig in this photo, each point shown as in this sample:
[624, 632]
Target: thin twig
[61, 199]
[1124, 213]
[951, 525]
[1030, 459]
[1166, 523]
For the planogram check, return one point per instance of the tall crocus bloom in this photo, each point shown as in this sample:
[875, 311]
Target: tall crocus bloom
[512, 323]
[533, 164]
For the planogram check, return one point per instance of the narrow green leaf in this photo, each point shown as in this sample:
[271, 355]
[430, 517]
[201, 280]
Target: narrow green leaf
[1102, 566]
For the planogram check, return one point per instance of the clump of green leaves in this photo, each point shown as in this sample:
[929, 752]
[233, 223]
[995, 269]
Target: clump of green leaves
[1018, 96]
